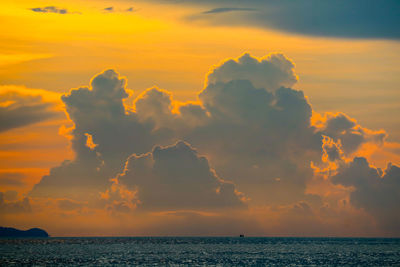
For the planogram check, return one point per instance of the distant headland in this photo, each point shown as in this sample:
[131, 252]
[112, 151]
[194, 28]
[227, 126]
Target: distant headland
[12, 232]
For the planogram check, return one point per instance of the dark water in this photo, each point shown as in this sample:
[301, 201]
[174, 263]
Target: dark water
[201, 251]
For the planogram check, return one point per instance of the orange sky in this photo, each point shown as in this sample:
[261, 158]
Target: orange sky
[45, 55]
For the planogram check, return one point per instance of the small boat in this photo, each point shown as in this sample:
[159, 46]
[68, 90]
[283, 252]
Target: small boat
[242, 235]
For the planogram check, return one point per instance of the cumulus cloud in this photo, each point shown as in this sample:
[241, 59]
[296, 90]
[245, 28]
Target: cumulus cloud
[269, 72]
[348, 133]
[251, 135]
[50, 9]
[375, 191]
[247, 124]
[100, 118]
[20, 108]
[177, 178]
[155, 106]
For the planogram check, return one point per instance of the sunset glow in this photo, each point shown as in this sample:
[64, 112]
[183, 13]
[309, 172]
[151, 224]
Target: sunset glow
[200, 118]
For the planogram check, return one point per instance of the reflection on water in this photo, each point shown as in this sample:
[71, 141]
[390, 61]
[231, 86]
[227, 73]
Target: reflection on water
[210, 251]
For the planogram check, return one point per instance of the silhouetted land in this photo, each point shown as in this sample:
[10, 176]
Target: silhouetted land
[12, 232]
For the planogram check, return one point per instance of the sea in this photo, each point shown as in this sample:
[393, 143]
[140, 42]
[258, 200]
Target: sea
[199, 251]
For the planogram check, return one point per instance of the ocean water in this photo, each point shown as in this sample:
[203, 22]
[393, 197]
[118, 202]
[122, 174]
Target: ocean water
[200, 251]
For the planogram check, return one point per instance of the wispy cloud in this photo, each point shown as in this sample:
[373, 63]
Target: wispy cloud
[109, 9]
[20, 107]
[131, 9]
[226, 9]
[51, 9]
[112, 9]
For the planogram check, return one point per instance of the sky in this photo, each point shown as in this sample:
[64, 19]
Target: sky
[160, 117]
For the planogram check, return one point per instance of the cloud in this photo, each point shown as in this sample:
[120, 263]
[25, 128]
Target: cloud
[19, 107]
[10, 195]
[17, 206]
[348, 133]
[109, 9]
[51, 9]
[343, 19]
[256, 127]
[269, 72]
[332, 151]
[226, 9]
[177, 178]
[69, 205]
[11, 178]
[112, 9]
[99, 117]
[373, 190]
[155, 106]
[249, 134]
[131, 9]
[247, 124]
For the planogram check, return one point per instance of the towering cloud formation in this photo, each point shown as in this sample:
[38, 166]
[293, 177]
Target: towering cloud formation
[253, 136]
[97, 112]
[249, 126]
